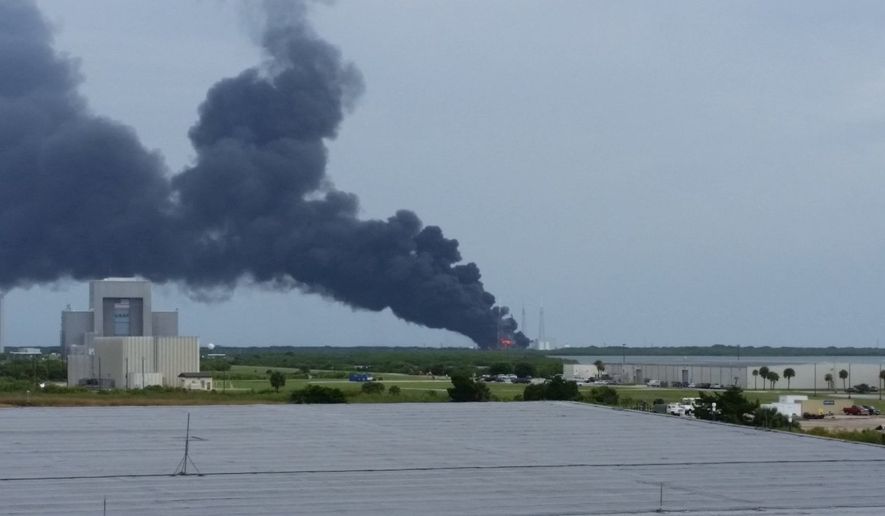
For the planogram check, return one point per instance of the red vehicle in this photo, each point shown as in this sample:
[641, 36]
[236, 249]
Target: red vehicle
[856, 410]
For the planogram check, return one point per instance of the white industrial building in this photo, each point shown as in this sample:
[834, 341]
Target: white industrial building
[120, 342]
[808, 376]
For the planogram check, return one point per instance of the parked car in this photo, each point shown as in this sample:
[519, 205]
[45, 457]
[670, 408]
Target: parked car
[873, 411]
[856, 410]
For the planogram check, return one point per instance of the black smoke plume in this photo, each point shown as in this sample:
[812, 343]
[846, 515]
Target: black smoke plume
[80, 197]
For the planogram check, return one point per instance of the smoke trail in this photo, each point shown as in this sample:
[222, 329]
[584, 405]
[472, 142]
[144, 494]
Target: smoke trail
[80, 197]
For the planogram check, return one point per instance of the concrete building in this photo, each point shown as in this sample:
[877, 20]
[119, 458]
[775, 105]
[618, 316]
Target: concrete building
[808, 376]
[121, 342]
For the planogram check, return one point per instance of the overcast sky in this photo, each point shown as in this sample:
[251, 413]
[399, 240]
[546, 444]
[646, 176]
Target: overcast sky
[651, 173]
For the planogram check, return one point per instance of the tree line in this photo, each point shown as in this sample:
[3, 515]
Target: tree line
[407, 360]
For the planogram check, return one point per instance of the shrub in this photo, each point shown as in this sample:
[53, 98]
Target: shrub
[394, 390]
[62, 389]
[372, 388]
[7, 385]
[524, 370]
[561, 389]
[317, 394]
[533, 392]
[555, 389]
[604, 395]
[465, 389]
[865, 436]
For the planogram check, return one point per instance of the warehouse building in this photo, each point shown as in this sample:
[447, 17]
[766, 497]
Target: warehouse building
[811, 375]
[120, 342]
[394, 459]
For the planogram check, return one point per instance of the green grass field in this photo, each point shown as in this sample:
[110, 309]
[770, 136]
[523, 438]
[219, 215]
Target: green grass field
[250, 384]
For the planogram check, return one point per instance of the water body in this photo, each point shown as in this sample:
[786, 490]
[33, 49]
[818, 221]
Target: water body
[722, 360]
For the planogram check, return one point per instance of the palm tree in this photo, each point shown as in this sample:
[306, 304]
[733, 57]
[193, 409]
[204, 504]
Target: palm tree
[755, 374]
[788, 374]
[843, 374]
[763, 372]
[773, 378]
[881, 379]
[600, 367]
[829, 379]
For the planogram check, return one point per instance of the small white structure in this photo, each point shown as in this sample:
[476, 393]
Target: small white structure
[195, 381]
[790, 405]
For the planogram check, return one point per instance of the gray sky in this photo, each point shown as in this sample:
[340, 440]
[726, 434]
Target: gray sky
[652, 173]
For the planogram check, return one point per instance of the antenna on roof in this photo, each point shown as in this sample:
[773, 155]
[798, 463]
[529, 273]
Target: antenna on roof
[181, 469]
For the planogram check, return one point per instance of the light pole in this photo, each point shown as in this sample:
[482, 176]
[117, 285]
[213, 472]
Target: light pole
[814, 381]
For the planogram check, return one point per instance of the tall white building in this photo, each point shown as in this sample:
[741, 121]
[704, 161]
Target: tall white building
[121, 342]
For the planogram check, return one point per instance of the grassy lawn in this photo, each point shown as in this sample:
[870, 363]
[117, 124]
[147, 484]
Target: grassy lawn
[412, 388]
[134, 398]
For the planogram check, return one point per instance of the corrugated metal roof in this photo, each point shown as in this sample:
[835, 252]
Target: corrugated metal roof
[444, 458]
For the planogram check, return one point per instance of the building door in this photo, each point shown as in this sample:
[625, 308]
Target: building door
[685, 376]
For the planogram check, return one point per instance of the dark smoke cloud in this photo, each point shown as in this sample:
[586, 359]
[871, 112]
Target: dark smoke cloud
[80, 197]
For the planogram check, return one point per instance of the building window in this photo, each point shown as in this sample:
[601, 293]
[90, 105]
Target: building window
[121, 318]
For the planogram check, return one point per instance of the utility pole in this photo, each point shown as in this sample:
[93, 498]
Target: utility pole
[99, 373]
[182, 466]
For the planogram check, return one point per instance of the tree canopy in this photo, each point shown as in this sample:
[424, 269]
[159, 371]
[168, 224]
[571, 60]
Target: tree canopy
[277, 380]
[465, 388]
[731, 406]
[318, 394]
[554, 389]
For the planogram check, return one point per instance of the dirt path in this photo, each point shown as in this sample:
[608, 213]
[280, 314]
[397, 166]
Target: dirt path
[844, 422]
